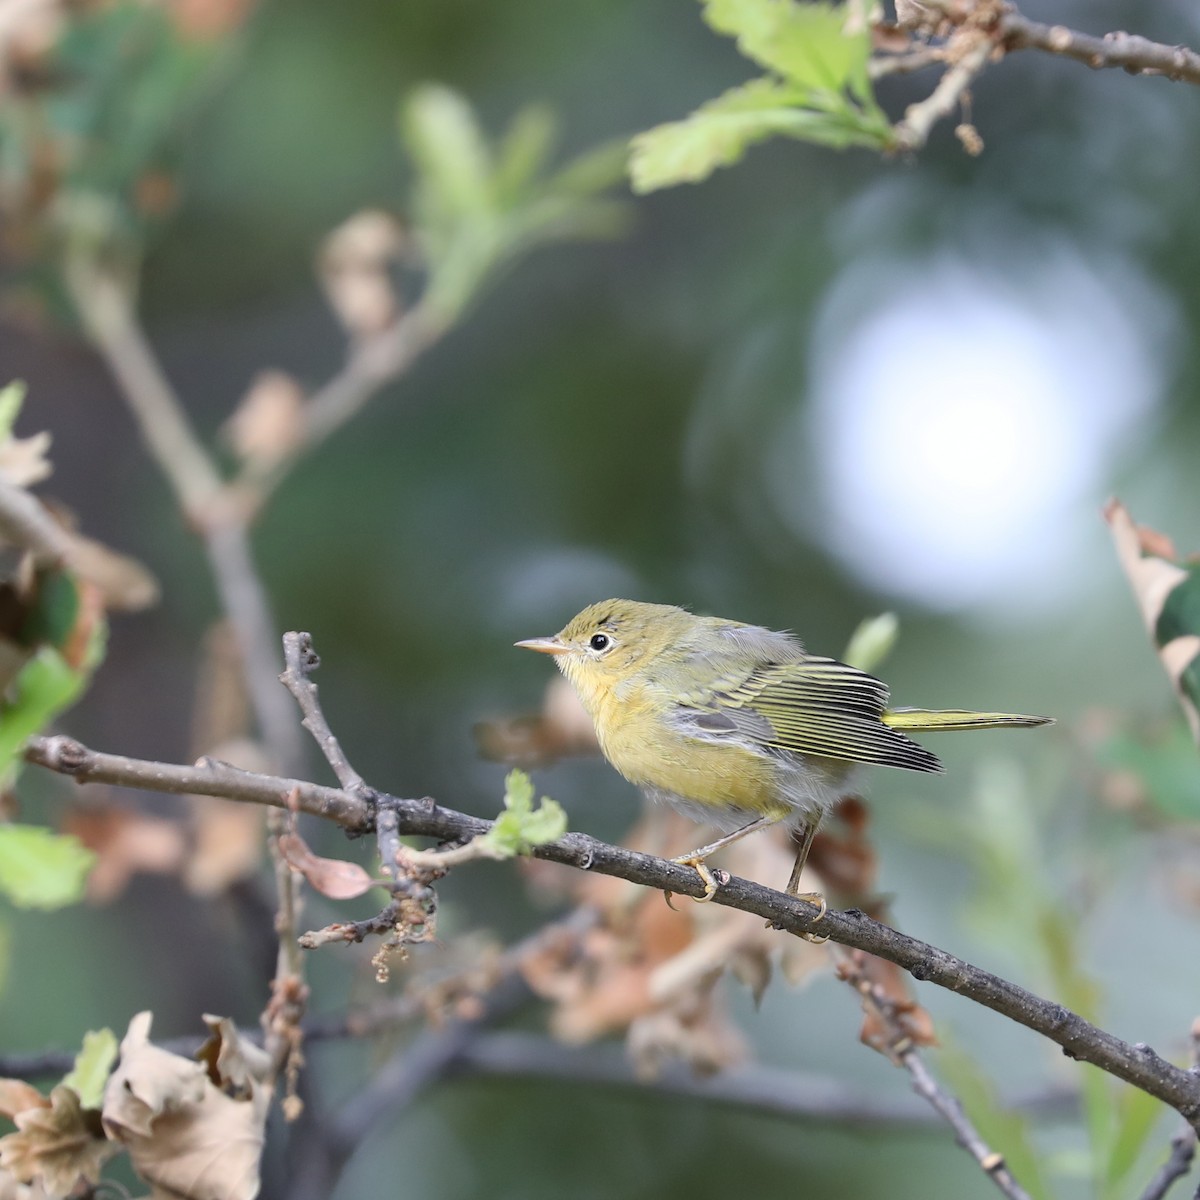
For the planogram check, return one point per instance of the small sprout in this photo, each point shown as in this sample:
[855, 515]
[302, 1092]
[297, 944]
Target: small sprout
[92, 1066]
[521, 826]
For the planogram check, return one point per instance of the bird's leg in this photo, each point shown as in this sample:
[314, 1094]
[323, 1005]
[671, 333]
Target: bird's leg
[793, 883]
[696, 858]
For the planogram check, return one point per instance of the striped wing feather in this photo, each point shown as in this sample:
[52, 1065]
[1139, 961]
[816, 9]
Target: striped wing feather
[823, 708]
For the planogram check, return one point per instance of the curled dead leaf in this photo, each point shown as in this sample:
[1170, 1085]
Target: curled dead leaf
[1168, 596]
[192, 1129]
[332, 877]
[57, 1143]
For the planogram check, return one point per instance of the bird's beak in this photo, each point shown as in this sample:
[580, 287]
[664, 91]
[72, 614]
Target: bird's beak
[550, 645]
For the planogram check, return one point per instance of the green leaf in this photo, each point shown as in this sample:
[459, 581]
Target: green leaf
[872, 641]
[11, 398]
[591, 172]
[45, 686]
[718, 133]
[448, 149]
[521, 826]
[92, 1066]
[522, 153]
[40, 869]
[1005, 1130]
[806, 44]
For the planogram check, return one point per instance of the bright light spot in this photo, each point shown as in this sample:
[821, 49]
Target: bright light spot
[964, 428]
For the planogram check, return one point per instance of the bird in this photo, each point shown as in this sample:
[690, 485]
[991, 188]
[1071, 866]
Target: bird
[737, 725]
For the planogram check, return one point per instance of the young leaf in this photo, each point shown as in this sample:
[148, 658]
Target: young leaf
[92, 1066]
[12, 396]
[521, 826]
[40, 869]
[803, 43]
[448, 147]
[45, 687]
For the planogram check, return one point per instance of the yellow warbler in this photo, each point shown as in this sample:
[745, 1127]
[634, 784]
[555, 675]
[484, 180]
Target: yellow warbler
[737, 725]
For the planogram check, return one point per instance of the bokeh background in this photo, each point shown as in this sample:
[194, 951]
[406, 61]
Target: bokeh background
[813, 388]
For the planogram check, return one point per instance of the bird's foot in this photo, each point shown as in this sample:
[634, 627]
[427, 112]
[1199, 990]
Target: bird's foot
[812, 898]
[712, 881]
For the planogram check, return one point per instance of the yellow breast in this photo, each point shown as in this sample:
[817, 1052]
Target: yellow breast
[638, 739]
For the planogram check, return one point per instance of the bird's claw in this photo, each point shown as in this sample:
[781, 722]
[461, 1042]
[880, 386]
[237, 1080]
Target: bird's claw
[812, 898]
[710, 880]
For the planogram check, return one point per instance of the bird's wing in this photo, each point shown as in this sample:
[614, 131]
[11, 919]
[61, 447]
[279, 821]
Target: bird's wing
[813, 706]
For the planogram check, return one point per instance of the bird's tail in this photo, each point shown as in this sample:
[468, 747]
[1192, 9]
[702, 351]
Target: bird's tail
[918, 719]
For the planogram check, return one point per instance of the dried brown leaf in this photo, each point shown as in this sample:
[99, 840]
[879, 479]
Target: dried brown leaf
[651, 972]
[1153, 578]
[57, 1144]
[562, 729]
[12, 1189]
[192, 1129]
[355, 266]
[228, 839]
[332, 877]
[125, 584]
[125, 843]
[208, 20]
[228, 844]
[16, 1096]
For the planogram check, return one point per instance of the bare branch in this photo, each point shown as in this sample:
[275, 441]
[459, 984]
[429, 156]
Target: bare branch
[105, 309]
[1136, 1064]
[207, 778]
[300, 660]
[1137, 55]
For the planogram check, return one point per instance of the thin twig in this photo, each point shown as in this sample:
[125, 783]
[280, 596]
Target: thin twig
[898, 1045]
[374, 362]
[1183, 1151]
[300, 660]
[913, 131]
[1183, 1144]
[906, 63]
[1136, 1064]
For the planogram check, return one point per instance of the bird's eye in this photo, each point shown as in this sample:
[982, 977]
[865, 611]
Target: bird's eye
[600, 642]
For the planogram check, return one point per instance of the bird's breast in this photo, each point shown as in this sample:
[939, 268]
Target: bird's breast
[638, 737]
